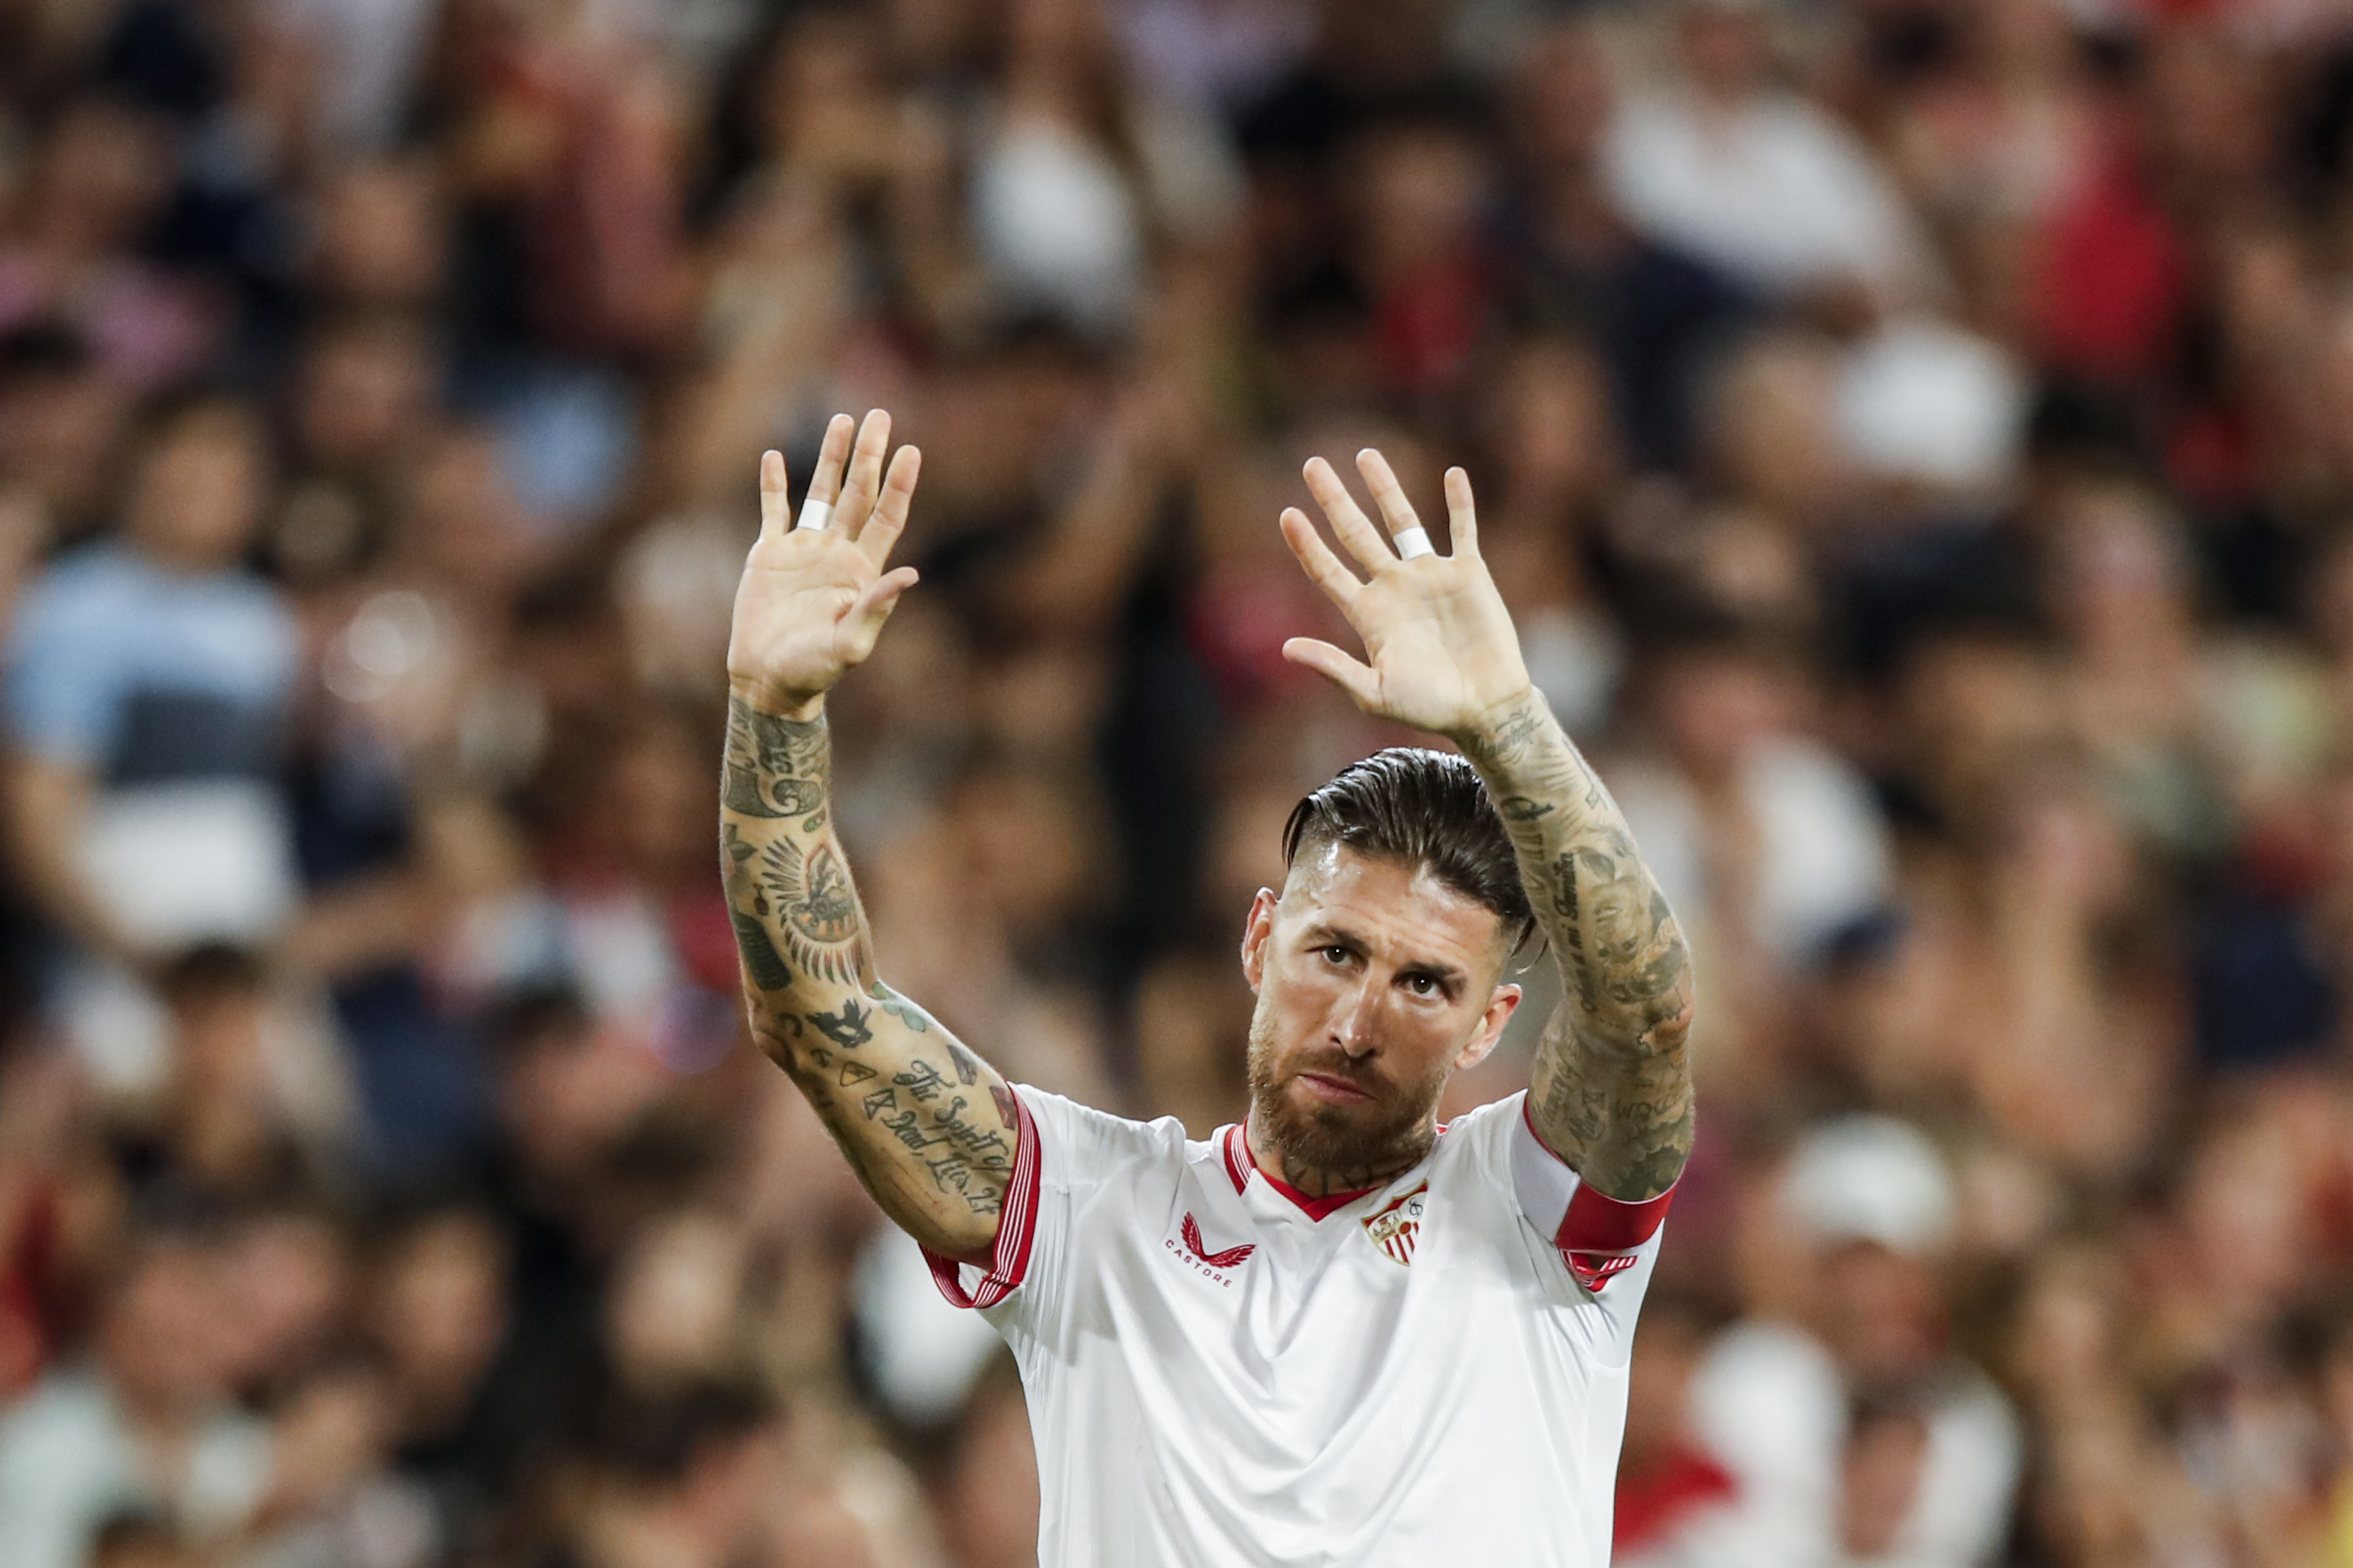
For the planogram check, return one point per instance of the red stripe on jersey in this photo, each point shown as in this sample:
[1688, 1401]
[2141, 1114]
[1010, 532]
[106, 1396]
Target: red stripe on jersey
[1016, 1227]
[1237, 1159]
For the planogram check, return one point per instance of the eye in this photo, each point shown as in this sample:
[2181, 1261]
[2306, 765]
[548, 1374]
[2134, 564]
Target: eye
[1335, 954]
[1421, 985]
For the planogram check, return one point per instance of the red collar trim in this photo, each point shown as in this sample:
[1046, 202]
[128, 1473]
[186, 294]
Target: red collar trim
[1238, 1159]
[1240, 1162]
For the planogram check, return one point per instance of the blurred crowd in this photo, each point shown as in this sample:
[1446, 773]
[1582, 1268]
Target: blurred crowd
[1915, 438]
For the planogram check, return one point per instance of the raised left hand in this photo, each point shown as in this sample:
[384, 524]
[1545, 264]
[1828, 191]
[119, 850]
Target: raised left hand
[1443, 656]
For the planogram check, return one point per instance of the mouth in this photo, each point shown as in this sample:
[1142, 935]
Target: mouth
[1334, 1090]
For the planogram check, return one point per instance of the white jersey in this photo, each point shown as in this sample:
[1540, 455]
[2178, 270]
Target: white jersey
[1221, 1370]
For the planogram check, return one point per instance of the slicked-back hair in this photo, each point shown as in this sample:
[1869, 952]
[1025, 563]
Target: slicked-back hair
[1428, 810]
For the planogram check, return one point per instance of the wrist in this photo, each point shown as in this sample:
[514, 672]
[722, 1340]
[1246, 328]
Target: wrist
[798, 706]
[1505, 723]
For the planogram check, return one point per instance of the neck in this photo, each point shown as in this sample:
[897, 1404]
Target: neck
[1321, 1181]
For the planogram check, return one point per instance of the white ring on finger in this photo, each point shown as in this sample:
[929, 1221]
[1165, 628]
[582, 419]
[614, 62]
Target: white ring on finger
[1413, 542]
[816, 515]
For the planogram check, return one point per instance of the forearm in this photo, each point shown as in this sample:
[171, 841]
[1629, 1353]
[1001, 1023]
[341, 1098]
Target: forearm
[929, 1127]
[1610, 1088]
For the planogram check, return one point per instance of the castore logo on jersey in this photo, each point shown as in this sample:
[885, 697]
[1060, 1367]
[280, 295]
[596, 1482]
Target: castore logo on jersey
[1209, 1263]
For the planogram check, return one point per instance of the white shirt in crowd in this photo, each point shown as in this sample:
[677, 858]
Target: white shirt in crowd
[1770, 1402]
[1771, 189]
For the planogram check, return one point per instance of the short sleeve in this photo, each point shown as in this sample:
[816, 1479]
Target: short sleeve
[1016, 1230]
[1599, 1236]
[1069, 1153]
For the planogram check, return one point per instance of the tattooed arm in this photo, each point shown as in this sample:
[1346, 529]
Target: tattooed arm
[930, 1128]
[1610, 1090]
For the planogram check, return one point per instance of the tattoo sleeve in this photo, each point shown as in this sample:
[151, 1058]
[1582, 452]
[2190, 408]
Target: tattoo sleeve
[1610, 1091]
[930, 1128]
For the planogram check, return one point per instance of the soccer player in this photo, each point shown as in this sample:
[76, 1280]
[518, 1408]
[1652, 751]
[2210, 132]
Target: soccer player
[1340, 1333]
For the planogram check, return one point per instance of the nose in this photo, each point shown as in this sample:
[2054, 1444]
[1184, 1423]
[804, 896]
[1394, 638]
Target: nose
[1352, 1022]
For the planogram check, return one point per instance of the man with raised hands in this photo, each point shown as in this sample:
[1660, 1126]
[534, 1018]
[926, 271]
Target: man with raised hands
[1339, 1332]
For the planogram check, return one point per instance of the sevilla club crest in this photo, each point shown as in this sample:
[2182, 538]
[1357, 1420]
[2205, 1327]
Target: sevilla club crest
[1396, 1225]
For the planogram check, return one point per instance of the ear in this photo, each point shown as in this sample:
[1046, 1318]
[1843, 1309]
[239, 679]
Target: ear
[1499, 1008]
[1256, 929]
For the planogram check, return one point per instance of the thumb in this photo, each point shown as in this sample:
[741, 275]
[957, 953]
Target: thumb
[862, 622]
[1352, 676]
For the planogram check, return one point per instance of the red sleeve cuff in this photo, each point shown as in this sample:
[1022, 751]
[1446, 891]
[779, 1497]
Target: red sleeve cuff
[1600, 1236]
[1016, 1227]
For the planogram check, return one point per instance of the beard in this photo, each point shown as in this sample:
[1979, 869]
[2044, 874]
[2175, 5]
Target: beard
[1386, 1132]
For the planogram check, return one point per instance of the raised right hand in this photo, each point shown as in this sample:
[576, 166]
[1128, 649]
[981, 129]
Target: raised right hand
[812, 601]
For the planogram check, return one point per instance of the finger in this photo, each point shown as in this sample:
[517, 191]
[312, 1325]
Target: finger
[862, 622]
[825, 480]
[1462, 517]
[865, 480]
[1389, 496]
[1348, 519]
[1352, 676]
[775, 502]
[890, 520]
[1324, 569]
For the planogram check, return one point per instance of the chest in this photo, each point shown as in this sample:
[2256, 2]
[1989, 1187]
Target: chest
[1206, 1288]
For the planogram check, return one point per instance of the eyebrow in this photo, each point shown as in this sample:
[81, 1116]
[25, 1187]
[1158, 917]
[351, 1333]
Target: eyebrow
[1325, 934]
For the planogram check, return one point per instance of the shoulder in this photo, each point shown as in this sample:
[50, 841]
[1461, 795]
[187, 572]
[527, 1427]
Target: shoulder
[76, 591]
[1483, 1129]
[1079, 1143]
[1478, 1147]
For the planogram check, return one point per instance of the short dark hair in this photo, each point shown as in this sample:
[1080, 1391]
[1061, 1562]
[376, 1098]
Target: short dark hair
[1425, 809]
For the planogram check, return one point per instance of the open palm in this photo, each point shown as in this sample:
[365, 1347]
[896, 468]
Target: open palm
[1440, 652]
[813, 599]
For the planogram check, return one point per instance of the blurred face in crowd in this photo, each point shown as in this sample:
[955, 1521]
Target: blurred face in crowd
[465, 527]
[1716, 706]
[199, 490]
[365, 391]
[107, 167]
[1881, 1312]
[1561, 100]
[381, 239]
[1420, 189]
[440, 1309]
[568, 1092]
[2118, 574]
[653, 805]
[674, 1299]
[166, 1343]
[288, 1276]
[1375, 983]
[58, 427]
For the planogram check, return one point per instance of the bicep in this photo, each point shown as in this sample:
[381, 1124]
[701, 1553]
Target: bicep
[1617, 1108]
